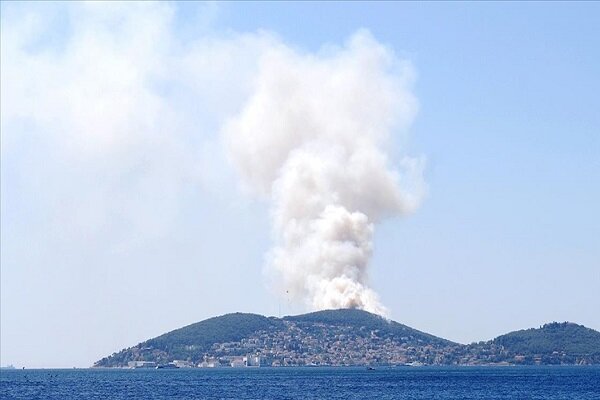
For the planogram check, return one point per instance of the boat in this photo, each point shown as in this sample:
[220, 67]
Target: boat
[167, 366]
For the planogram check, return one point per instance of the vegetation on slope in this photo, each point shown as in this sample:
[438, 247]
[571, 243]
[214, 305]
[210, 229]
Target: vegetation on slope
[192, 341]
[563, 337]
[226, 328]
[355, 337]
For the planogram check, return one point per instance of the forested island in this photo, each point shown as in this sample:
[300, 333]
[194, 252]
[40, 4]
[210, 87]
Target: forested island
[348, 337]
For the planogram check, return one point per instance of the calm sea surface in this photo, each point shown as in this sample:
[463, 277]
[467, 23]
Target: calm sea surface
[429, 383]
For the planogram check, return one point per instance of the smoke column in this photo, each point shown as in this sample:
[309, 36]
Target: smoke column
[312, 139]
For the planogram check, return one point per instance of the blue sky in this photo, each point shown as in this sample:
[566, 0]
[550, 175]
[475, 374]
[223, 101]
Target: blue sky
[116, 238]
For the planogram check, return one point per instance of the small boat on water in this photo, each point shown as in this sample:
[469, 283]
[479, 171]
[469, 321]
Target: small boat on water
[166, 366]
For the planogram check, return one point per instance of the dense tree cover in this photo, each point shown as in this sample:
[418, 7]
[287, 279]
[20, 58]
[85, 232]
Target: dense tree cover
[226, 328]
[563, 337]
[192, 341]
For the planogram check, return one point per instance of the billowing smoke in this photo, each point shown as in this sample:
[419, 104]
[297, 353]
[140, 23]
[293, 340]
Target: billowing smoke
[312, 138]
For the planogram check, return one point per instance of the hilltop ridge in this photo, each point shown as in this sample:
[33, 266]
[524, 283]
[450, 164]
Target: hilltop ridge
[348, 337]
[566, 338]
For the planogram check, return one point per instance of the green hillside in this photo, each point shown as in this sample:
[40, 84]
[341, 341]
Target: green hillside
[563, 337]
[226, 328]
[352, 337]
[193, 341]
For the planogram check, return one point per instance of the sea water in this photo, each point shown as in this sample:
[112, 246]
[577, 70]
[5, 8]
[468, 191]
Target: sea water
[489, 383]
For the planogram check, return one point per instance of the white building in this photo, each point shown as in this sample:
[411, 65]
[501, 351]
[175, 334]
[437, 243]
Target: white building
[238, 362]
[252, 360]
[183, 364]
[141, 364]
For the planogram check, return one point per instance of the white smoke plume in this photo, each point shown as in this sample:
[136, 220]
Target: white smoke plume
[312, 138]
